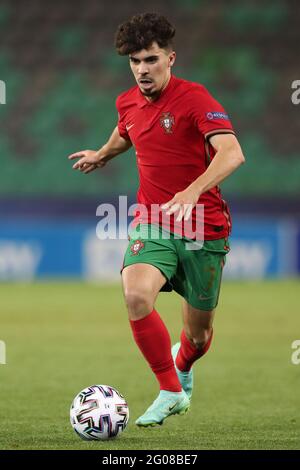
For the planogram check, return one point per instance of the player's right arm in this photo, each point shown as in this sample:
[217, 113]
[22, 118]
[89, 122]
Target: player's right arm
[89, 160]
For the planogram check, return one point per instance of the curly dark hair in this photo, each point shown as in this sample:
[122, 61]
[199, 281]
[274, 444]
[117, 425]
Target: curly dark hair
[141, 31]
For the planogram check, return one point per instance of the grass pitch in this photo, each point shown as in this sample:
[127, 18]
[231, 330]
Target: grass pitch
[63, 337]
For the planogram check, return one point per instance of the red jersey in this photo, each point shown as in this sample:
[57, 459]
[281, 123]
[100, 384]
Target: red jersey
[170, 136]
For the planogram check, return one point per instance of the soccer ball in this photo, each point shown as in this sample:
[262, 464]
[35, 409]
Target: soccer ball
[98, 413]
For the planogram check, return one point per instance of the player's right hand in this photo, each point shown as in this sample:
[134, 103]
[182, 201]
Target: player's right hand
[88, 161]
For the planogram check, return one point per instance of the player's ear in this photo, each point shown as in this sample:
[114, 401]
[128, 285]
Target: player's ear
[172, 58]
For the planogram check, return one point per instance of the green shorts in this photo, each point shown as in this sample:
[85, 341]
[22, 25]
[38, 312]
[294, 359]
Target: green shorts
[195, 274]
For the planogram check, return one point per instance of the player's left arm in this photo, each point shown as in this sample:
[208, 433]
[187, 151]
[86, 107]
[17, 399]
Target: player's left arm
[228, 158]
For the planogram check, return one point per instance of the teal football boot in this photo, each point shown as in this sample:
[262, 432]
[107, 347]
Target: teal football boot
[165, 405]
[185, 378]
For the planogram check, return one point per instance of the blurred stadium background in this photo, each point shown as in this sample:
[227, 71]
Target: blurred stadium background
[62, 77]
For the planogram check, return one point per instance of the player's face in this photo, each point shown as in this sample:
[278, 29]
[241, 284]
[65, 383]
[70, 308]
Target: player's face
[152, 69]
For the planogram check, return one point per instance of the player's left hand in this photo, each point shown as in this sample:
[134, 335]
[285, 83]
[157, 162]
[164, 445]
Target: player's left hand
[183, 203]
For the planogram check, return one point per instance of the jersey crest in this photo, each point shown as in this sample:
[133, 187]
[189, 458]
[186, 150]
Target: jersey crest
[167, 121]
[136, 247]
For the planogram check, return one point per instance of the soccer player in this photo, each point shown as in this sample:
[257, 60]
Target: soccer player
[185, 146]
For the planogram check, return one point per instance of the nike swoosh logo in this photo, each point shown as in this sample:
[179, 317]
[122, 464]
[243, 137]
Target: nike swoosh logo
[201, 297]
[129, 127]
[172, 407]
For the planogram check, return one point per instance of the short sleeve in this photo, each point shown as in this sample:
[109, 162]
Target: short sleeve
[207, 113]
[121, 123]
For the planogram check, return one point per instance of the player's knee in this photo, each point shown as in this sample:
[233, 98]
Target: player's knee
[201, 339]
[139, 302]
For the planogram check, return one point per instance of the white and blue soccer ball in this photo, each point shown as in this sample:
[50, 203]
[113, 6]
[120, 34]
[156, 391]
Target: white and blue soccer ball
[99, 413]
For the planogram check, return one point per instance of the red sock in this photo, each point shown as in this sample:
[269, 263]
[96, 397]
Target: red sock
[153, 339]
[188, 353]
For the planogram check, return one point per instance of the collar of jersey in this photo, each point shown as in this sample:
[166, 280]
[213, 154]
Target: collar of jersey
[159, 103]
